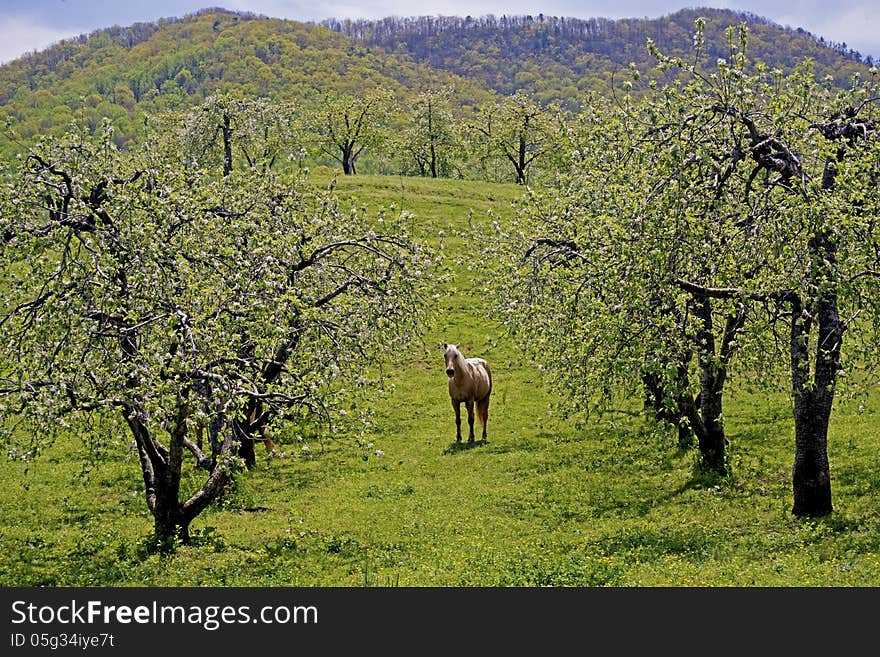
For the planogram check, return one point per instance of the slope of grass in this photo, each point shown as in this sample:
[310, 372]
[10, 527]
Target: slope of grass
[542, 502]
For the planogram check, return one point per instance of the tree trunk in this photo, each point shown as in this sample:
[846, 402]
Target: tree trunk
[703, 416]
[672, 401]
[255, 419]
[168, 521]
[431, 140]
[161, 469]
[246, 443]
[711, 438]
[672, 408]
[227, 145]
[253, 428]
[161, 491]
[348, 159]
[521, 161]
[813, 399]
[811, 477]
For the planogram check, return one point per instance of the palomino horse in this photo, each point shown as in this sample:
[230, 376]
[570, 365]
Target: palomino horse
[470, 381]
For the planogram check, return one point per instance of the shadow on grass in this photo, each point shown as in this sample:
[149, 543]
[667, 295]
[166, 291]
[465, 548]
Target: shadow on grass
[703, 480]
[624, 508]
[516, 443]
[456, 447]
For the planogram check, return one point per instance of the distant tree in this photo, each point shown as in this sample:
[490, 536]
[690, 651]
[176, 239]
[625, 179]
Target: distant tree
[225, 130]
[142, 296]
[518, 130]
[430, 137]
[345, 125]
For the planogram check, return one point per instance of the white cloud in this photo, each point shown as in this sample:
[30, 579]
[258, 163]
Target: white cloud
[22, 35]
[307, 10]
[856, 27]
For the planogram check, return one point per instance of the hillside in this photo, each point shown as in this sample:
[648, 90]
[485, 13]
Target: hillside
[560, 59]
[124, 72]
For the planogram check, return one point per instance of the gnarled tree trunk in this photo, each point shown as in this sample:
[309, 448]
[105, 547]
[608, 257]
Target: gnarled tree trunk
[161, 469]
[814, 395]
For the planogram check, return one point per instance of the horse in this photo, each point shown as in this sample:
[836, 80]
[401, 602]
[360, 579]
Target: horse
[470, 381]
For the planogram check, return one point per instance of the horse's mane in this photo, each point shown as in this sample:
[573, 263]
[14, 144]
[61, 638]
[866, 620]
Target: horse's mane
[456, 352]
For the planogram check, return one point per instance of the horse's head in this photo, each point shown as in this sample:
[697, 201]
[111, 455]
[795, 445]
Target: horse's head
[450, 356]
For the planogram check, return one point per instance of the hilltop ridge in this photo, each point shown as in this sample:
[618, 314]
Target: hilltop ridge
[124, 72]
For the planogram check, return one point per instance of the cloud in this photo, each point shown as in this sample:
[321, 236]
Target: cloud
[23, 35]
[856, 27]
[309, 10]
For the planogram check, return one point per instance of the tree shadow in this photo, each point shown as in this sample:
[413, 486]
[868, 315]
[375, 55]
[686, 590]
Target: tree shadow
[704, 480]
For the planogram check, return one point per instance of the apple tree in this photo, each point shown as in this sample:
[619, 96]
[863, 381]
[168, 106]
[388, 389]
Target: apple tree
[141, 296]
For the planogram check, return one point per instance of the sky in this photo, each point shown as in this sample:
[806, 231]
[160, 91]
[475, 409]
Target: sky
[28, 25]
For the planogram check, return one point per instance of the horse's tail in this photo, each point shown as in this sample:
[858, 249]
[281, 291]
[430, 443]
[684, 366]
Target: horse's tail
[483, 404]
[483, 410]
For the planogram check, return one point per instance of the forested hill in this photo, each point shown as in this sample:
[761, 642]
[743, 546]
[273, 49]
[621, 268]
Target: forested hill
[123, 72]
[557, 58]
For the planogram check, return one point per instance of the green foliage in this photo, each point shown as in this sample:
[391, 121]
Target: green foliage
[141, 293]
[710, 217]
[430, 143]
[182, 276]
[125, 73]
[543, 502]
[224, 133]
[563, 60]
[344, 125]
[516, 131]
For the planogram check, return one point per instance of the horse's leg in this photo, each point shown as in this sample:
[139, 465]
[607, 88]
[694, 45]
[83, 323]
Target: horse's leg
[457, 406]
[483, 413]
[268, 442]
[470, 410]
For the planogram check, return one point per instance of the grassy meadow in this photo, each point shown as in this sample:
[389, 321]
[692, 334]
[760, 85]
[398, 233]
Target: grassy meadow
[543, 502]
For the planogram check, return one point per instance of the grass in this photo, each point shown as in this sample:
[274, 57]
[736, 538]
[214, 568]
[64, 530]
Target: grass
[541, 503]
